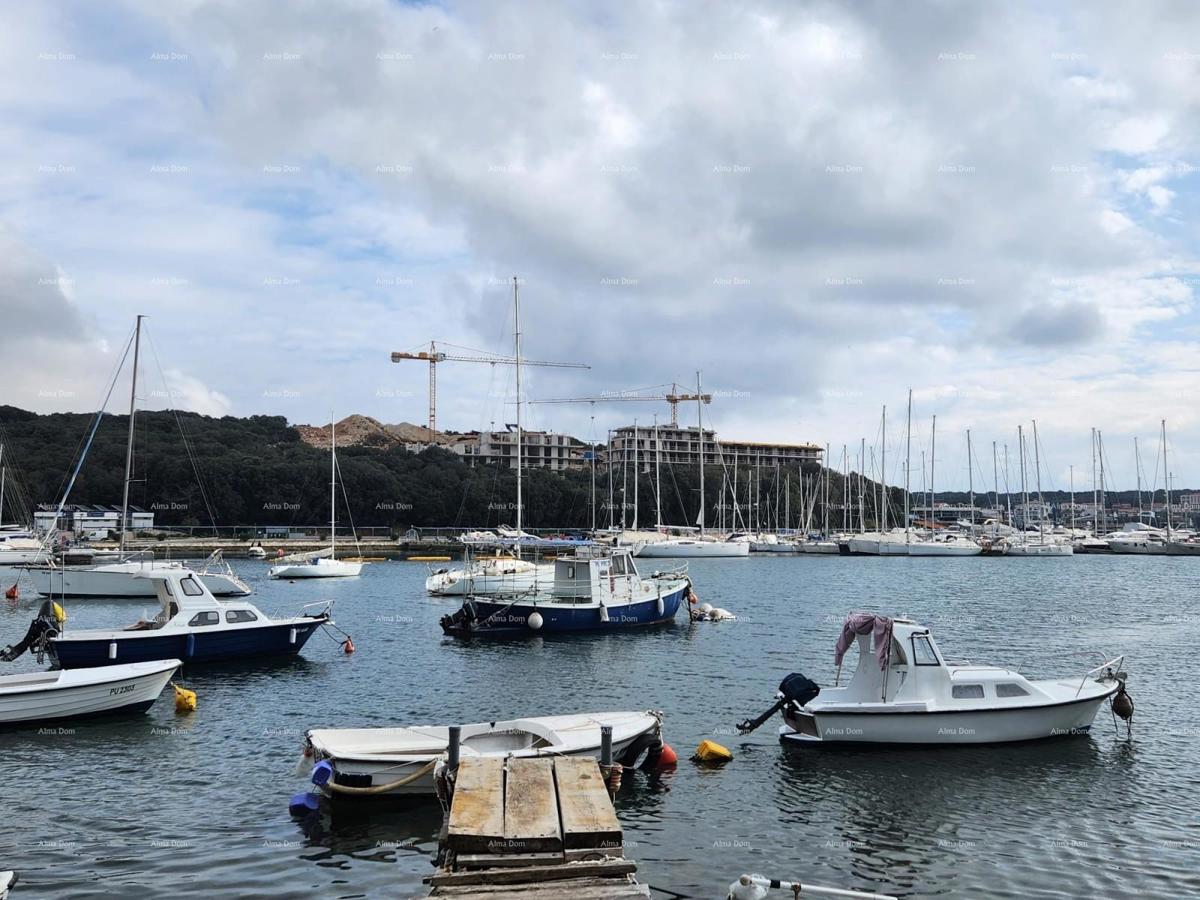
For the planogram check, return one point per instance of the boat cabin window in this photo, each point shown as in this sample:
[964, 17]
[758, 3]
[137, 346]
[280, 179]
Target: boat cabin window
[240, 615]
[923, 653]
[191, 587]
[1008, 689]
[571, 572]
[967, 692]
[619, 564]
[205, 618]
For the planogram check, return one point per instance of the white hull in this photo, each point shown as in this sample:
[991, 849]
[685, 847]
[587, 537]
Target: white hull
[944, 548]
[995, 726]
[75, 693]
[819, 547]
[1037, 549]
[385, 755]
[692, 549]
[322, 568]
[122, 580]
[1141, 548]
[461, 582]
[21, 557]
[867, 545]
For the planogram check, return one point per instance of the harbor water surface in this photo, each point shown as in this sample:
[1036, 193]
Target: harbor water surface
[196, 806]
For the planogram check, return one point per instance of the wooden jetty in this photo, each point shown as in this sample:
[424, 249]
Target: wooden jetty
[540, 828]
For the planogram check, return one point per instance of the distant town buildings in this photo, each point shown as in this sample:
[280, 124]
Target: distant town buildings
[90, 521]
[681, 446]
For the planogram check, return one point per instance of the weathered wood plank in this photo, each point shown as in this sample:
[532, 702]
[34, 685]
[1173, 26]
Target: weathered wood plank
[614, 889]
[496, 860]
[588, 818]
[593, 853]
[477, 813]
[530, 807]
[612, 868]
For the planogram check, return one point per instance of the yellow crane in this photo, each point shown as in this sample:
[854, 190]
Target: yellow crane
[433, 356]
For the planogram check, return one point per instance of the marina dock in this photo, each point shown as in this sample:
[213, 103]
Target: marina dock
[540, 828]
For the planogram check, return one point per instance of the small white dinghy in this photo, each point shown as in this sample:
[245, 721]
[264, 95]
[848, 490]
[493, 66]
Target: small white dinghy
[401, 761]
[77, 693]
[8, 881]
[903, 691]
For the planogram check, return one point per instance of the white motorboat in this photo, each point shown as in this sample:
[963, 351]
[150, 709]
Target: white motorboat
[191, 625]
[692, 548]
[903, 691]
[401, 761]
[8, 881]
[876, 543]
[78, 693]
[1140, 540]
[819, 547]
[256, 551]
[324, 564]
[20, 548]
[1021, 545]
[132, 578]
[945, 545]
[499, 574]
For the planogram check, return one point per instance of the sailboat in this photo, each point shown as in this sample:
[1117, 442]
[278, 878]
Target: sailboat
[1040, 544]
[18, 546]
[949, 544]
[324, 564]
[702, 545]
[128, 577]
[884, 542]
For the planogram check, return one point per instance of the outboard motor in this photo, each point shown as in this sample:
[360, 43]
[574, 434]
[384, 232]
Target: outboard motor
[43, 627]
[796, 688]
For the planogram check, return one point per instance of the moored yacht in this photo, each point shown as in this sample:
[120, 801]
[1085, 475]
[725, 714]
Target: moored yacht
[903, 691]
[498, 574]
[131, 578]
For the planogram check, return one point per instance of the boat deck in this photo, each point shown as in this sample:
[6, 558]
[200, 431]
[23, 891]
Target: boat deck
[541, 828]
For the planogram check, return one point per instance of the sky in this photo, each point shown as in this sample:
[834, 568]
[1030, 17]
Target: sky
[818, 206]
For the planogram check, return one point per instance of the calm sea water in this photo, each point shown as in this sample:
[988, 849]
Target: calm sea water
[196, 806]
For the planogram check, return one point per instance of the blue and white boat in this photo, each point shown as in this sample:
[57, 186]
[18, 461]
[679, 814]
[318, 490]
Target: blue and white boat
[192, 626]
[594, 589]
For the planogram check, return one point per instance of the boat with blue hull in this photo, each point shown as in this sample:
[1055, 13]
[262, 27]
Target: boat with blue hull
[595, 589]
[192, 626]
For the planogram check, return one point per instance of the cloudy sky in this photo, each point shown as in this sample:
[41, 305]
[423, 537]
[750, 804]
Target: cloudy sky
[819, 205]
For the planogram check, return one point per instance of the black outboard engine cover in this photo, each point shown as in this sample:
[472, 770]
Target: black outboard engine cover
[42, 628]
[799, 689]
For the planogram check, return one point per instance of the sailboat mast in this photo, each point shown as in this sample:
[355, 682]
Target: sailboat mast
[1103, 499]
[862, 464]
[332, 486]
[883, 505]
[1166, 479]
[1095, 496]
[636, 475]
[1007, 491]
[517, 366]
[657, 477]
[1024, 490]
[845, 488]
[825, 497]
[2, 474]
[971, 480]
[1137, 468]
[1072, 476]
[611, 508]
[995, 479]
[137, 341]
[907, 469]
[592, 438]
[1037, 468]
[700, 423]
[932, 466]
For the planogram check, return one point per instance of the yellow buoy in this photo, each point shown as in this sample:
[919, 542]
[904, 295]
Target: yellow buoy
[60, 614]
[712, 752]
[185, 700]
[428, 559]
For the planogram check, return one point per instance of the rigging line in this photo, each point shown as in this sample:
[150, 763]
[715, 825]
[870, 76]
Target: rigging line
[349, 512]
[88, 446]
[187, 444]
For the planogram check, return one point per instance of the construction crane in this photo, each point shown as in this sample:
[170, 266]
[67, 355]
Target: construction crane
[434, 356]
[674, 398]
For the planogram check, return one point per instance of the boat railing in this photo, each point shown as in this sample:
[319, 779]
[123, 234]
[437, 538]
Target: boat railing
[326, 607]
[679, 571]
[1113, 665]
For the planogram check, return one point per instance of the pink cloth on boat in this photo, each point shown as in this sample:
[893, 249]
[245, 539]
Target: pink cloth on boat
[865, 623]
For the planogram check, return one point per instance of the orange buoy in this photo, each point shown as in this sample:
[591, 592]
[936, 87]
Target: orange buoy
[667, 759]
[348, 646]
[692, 598]
[12, 593]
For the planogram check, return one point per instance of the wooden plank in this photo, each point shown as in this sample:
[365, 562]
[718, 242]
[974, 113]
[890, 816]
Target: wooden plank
[617, 852]
[490, 860]
[613, 889]
[588, 817]
[613, 868]
[477, 812]
[530, 807]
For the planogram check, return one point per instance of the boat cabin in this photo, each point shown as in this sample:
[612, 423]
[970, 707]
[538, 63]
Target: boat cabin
[918, 676]
[601, 573]
[185, 602]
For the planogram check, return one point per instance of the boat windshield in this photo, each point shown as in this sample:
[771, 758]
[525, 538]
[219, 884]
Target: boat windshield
[923, 652]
